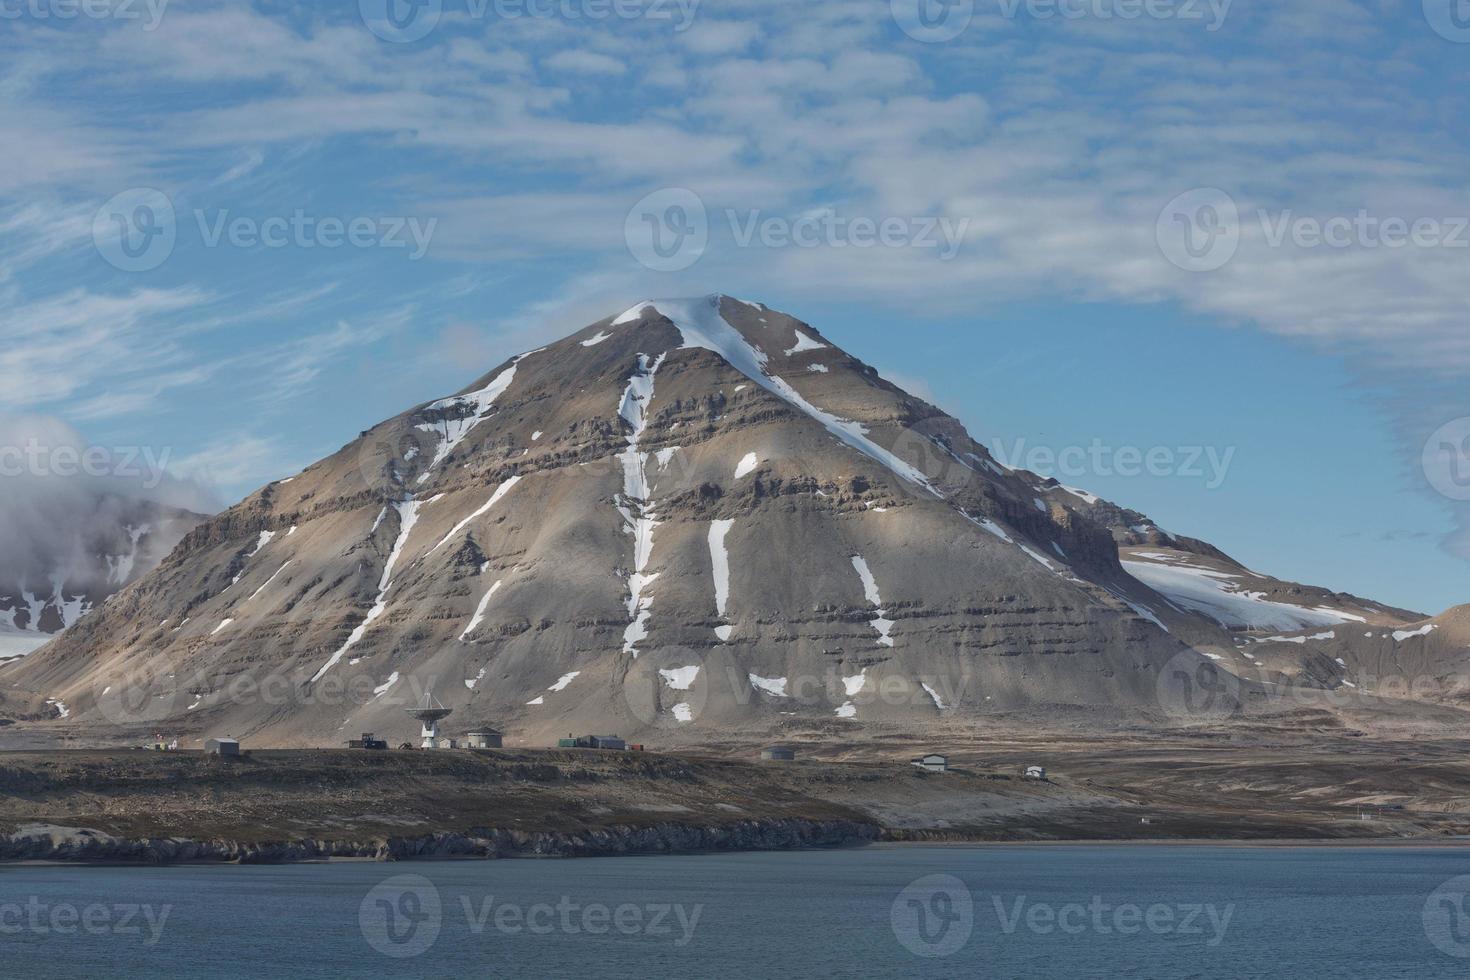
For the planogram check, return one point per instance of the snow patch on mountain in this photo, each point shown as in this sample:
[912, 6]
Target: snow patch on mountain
[408, 516]
[680, 678]
[479, 616]
[805, 343]
[500, 492]
[701, 325]
[881, 623]
[636, 504]
[1214, 594]
[774, 686]
[720, 565]
[461, 414]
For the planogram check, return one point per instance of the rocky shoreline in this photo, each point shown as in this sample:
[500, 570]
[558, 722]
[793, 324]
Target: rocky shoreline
[63, 844]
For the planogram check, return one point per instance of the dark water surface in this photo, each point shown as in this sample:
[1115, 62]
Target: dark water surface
[886, 912]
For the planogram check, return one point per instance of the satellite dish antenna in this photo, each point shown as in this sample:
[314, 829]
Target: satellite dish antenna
[430, 713]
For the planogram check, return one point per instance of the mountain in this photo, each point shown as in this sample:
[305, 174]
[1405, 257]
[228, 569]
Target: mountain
[693, 520]
[107, 544]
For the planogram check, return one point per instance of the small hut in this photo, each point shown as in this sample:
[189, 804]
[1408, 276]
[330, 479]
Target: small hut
[222, 746]
[484, 737]
[932, 762]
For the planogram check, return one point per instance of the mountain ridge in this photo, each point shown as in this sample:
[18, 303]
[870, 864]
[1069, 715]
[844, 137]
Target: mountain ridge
[598, 533]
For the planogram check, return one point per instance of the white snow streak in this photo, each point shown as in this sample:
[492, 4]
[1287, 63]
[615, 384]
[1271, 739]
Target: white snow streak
[479, 615]
[720, 562]
[747, 465]
[637, 504]
[500, 491]
[1400, 636]
[883, 625]
[700, 323]
[472, 407]
[408, 516]
[805, 343]
[933, 695]
[269, 581]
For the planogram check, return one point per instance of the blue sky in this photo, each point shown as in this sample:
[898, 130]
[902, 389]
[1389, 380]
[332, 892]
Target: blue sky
[505, 164]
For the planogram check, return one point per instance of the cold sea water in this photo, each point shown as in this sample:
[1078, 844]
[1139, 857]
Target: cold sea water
[881, 912]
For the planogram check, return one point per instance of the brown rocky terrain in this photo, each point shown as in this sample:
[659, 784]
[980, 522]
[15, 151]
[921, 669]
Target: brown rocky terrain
[300, 805]
[696, 521]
